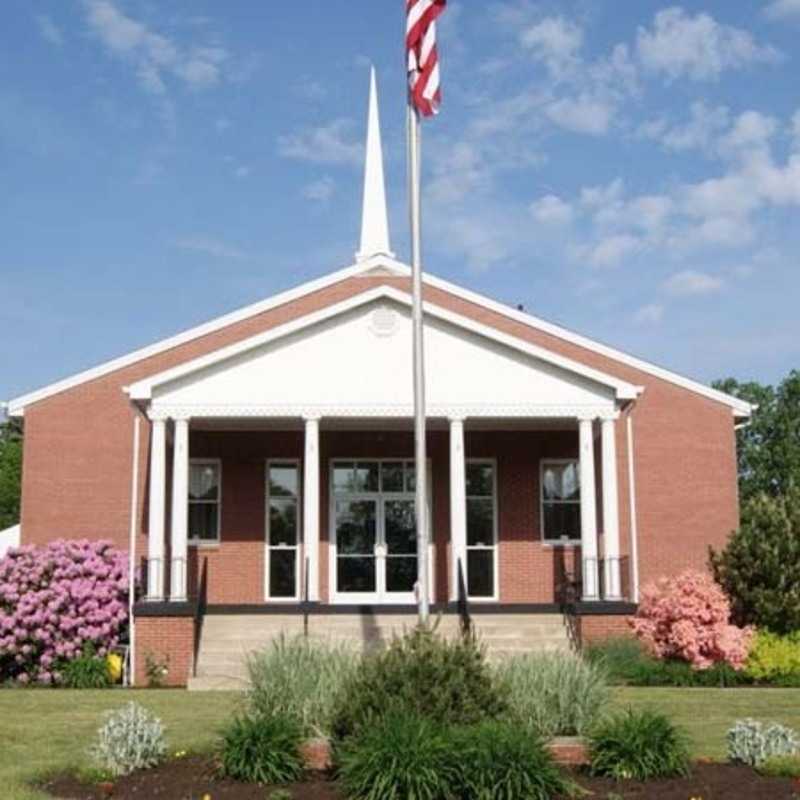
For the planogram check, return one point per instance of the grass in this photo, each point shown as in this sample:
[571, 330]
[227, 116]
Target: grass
[46, 730]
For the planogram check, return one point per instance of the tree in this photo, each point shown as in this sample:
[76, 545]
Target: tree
[10, 472]
[759, 568]
[769, 446]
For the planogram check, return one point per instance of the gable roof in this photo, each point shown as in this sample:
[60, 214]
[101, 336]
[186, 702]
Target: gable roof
[142, 390]
[379, 264]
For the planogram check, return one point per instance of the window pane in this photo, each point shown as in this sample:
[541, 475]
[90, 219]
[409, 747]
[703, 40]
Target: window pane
[480, 521]
[282, 575]
[392, 476]
[343, 478]
[283, 480]
[480, 573]
[355, 527]
[203, 521]
[401, 573]
[411, 479]
[203, 481]
[401, 526]
[479, 480]
[282, 522]
[355, 574]
[561, 481]
[366, 479]
[562, 520]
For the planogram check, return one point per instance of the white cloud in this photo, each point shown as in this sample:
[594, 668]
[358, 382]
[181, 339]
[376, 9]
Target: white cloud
[697, 46]
[783, 9]
[701, 132]
[556, 42]
[209, 246]
[582, 114]
[49, 31]
[325, 144]
[650, 314]
[551, 210]
[319, 191]
[459, 170]
[690, 282]
[611, 250]
[600, 196]
[152, 54]
[751, 131]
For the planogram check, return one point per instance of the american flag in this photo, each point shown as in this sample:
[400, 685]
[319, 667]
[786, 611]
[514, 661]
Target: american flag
[423, 60]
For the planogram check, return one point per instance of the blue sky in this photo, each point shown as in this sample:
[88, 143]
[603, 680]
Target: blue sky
[633, 176]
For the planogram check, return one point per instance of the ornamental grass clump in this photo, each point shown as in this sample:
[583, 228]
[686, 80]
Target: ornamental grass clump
[554, 694]
[300, 679]
[54, 601]
[422, 674]
[752, 742]
[131, 738]
[258, 749]
[687, 618]
[638, 745]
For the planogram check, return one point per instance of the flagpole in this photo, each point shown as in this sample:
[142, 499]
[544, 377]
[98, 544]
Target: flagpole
[420, 458]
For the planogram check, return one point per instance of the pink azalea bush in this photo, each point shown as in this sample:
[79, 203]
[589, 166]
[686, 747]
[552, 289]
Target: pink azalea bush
[688, 618]
[54, 600]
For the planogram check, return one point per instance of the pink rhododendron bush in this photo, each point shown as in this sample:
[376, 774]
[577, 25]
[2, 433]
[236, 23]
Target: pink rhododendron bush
[54, 600]
[688, 618]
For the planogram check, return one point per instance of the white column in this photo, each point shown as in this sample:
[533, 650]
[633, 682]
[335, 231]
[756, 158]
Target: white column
[156, 511]
[180, 510]
[311, 507]
[458, 506]
[588, 511]
[613, 589]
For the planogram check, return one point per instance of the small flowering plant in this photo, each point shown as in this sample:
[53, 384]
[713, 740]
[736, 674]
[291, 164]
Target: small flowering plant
[54, 601]
[688, 618]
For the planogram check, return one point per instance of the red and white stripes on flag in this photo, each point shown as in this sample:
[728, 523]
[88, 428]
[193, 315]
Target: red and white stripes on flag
[423, 60]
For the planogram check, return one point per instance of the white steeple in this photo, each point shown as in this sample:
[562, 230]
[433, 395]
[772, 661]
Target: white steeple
[374, 219]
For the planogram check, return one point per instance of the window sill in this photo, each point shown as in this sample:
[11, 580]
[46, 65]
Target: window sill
[205, 545]
[557, 543]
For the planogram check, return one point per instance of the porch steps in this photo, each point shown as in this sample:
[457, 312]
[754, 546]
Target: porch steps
[227, 640]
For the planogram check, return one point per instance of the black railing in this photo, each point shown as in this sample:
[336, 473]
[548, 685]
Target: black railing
[568, 594]
[306, 602]
[464, 617]
[200, 612]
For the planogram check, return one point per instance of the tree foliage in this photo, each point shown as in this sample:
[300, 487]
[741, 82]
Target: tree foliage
[769, 447]
[10, 472]
[760, 567]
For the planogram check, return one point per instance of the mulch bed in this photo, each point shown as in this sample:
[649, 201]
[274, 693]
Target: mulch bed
[191, 778]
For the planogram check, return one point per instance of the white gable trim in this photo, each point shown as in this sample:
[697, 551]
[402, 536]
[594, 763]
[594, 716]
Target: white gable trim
[376, 265]
[143, 390]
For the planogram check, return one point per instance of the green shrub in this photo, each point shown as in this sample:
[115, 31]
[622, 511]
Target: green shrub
[422, 674]
[399, 757]
[500, 761]
[554, 694]
[759, 568]
[300, 679]
[629, 664]
[780, 767]
[774, 658]
[88, 671]
[639, 745]
[131, 738]
[752, 742]
[262, 749]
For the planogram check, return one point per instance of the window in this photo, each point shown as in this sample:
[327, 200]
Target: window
[283, 529]
[561, 502]
[481, 529]
[204, 501]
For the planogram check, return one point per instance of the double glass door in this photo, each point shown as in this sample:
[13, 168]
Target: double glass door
[374, 532]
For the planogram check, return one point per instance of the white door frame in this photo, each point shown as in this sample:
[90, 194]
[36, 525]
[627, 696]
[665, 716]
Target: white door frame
[299, 547]
[380, 596]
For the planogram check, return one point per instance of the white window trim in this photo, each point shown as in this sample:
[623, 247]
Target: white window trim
[299, 548]
[495, 532]
[212, 543]
[337, 598]
[562, 542]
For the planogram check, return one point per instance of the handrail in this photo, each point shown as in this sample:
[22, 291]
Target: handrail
[463, 602]
[306, 602]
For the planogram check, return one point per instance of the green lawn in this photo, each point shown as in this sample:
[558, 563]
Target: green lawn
[42, 730]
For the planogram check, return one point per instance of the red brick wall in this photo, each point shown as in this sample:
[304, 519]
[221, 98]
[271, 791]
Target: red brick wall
[595, 628]
[165, 639]
[78, 460]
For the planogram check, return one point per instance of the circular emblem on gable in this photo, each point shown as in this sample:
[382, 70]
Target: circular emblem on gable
[383, 321]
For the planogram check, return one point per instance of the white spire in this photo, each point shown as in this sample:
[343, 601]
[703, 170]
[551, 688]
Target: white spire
[374, 219]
